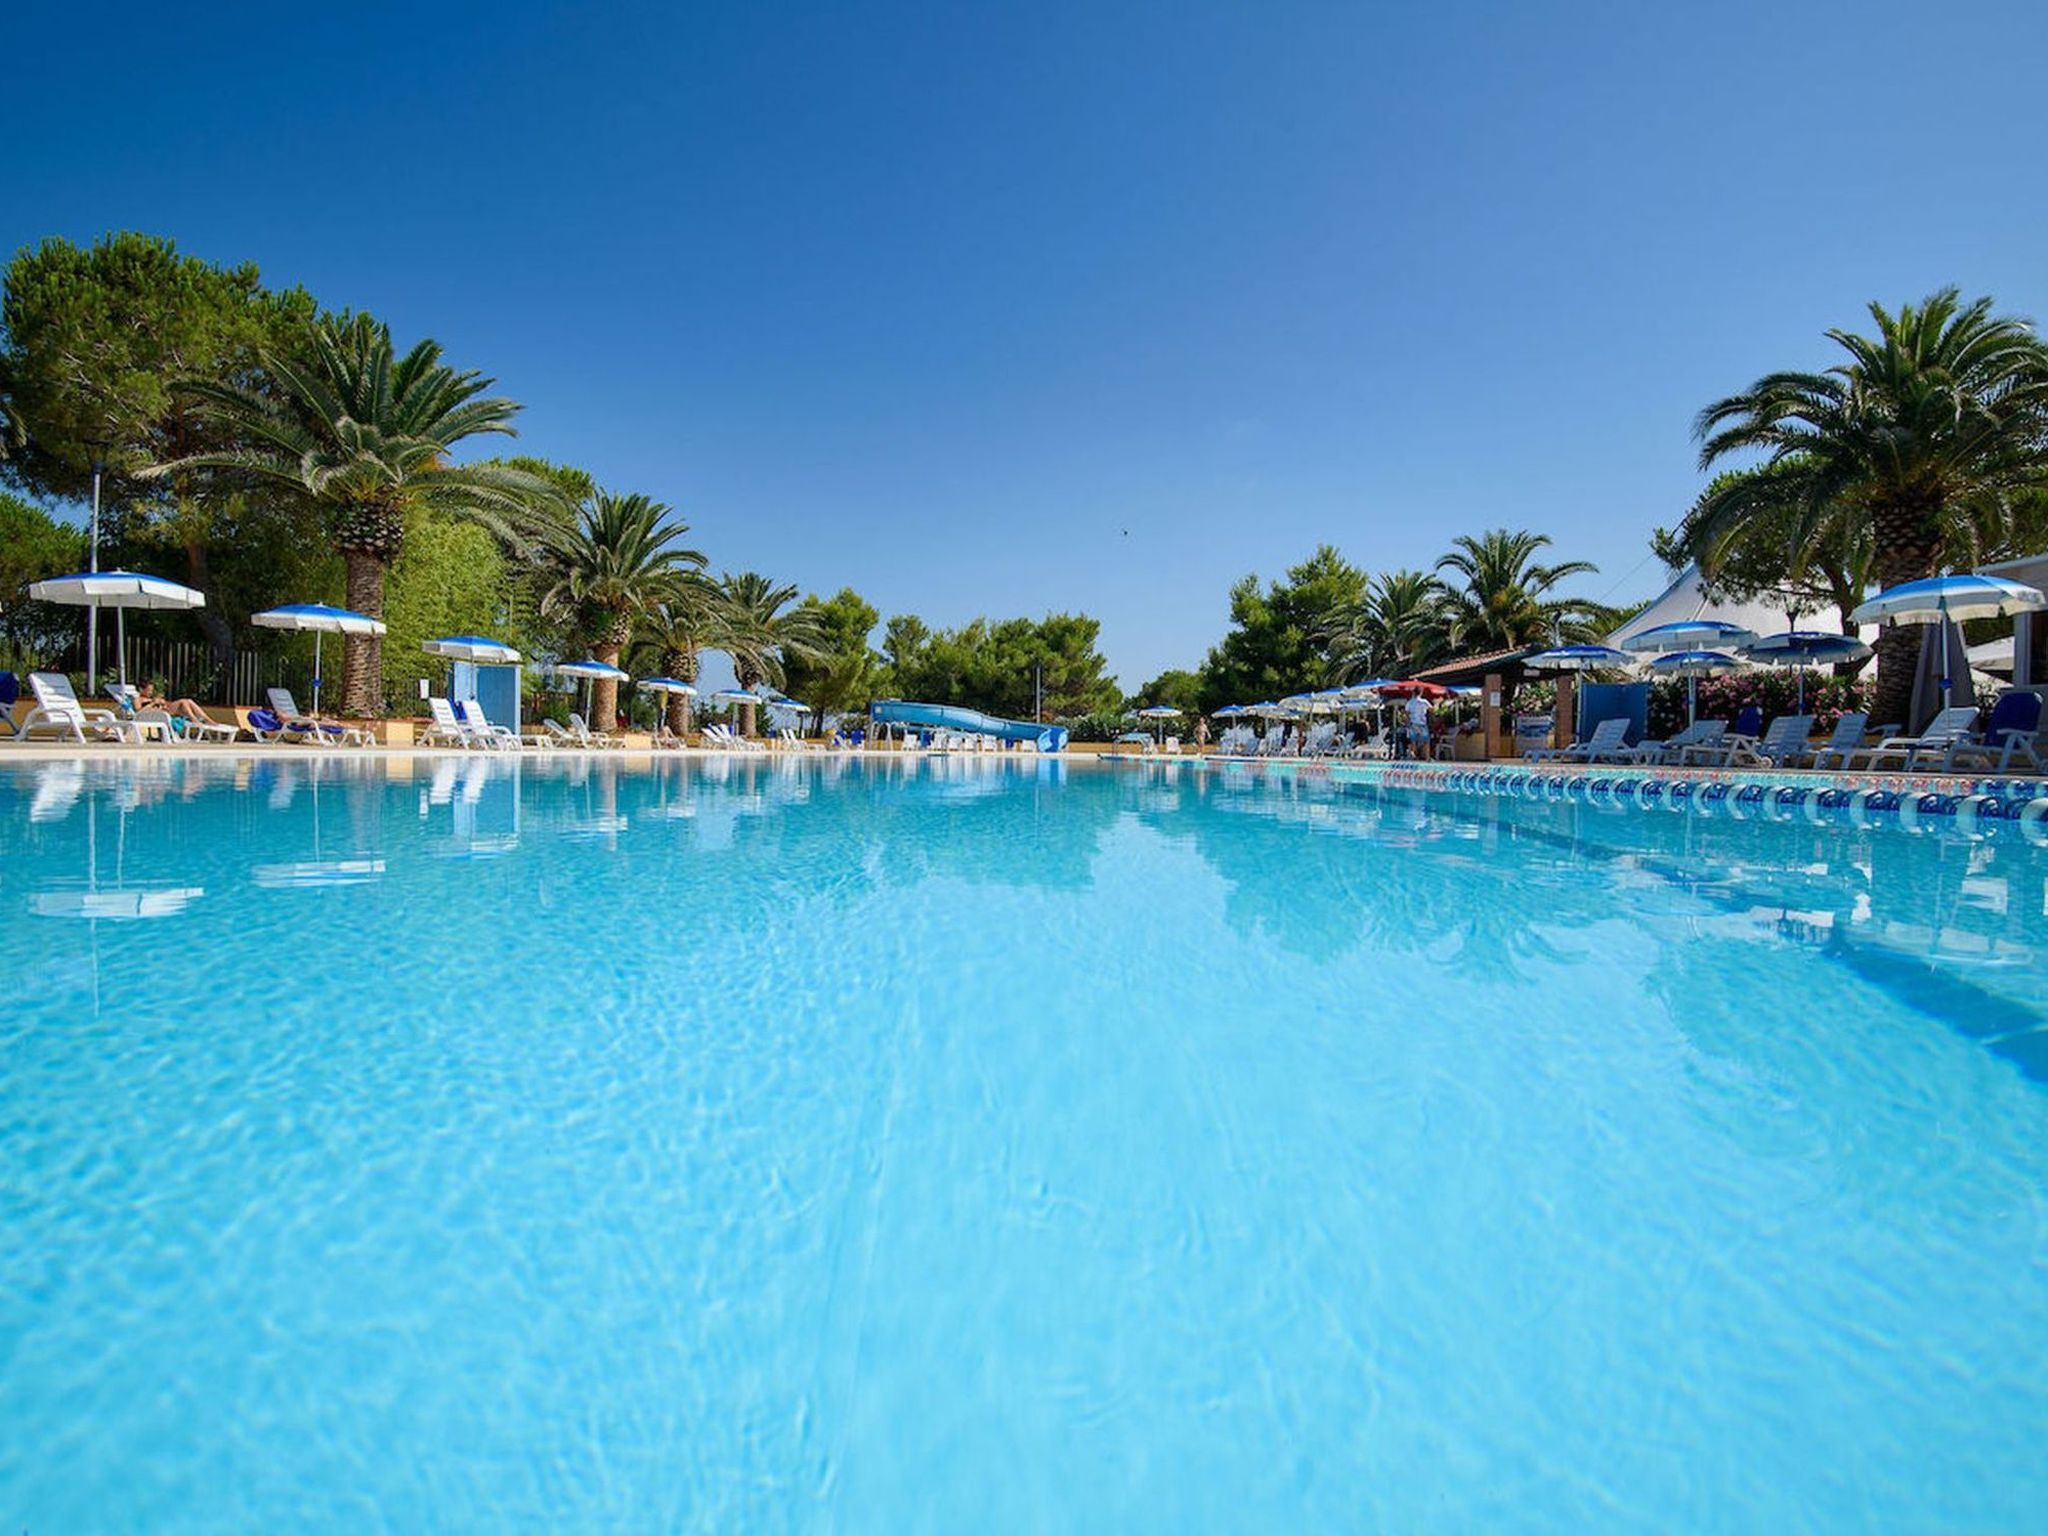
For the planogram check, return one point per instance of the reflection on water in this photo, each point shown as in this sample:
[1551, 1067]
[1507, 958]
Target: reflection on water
[1320, 869]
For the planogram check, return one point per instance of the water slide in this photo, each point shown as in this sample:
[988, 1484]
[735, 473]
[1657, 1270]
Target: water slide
[951, 717]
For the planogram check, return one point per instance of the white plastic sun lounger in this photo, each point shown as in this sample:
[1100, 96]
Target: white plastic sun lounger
[501, 738]
[1942, 733]
[1783, 738]
[1845, 738]
[444, 729]
[153, 724]
[322, 732]
[58, 709]
[1606, 741]
[1700, 735]
[586, 737]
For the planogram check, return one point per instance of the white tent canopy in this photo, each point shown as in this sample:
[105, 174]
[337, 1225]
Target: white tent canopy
[1685, 599]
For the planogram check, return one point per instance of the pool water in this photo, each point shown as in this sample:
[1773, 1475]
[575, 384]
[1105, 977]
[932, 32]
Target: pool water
[743, 1145]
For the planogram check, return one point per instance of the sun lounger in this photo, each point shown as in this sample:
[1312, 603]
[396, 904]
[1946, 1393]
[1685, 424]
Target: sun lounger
[1946, 729]
[152, 724]
[1785, 737]
[1846, 737]
[2014, 730]
[1701, 735]
[500, 738]
[1606, 742]
[445, 728]
[58, 709]
[585, 736]
[297, 723]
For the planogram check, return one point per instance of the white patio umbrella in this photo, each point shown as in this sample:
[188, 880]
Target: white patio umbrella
[321, 620]
[1160, 712]
[1949, 599]
[119, 590]
[1803, 648]
[1691, 635]
[1692, 666]
[471, 648]
[664, 686]
[590, 671]
[1579, 658]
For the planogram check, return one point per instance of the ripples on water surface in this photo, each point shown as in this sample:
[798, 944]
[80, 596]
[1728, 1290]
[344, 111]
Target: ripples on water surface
[981, 1145]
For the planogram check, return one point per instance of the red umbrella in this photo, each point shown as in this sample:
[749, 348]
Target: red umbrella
[1430, 691]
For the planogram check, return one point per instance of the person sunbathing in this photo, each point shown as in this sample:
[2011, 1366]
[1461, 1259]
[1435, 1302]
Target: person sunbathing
[146, 697]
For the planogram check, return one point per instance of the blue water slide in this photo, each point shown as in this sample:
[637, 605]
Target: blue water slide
[951, 717]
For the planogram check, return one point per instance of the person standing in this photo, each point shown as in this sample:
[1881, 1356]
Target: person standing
[1418, 726]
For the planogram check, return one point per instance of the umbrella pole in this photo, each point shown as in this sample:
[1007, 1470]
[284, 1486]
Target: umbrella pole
[316, 686]
[1692, 701]
[1941, 639]
[121, 646]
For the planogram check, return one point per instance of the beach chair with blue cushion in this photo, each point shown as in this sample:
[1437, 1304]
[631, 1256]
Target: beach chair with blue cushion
[304, 727]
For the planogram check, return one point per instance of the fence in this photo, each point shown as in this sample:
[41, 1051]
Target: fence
[189, 668]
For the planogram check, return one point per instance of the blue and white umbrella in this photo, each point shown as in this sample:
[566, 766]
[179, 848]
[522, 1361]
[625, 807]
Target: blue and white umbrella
[1690, 635]
[1160, 712]
[592, 672]
[667, 686]
[479, 648]
[1578, 658]
[1945, 600]
[1231, 712]
[119, 590]
[1964, 595]
[321, 620]
[1803, 648]
[1692, 666]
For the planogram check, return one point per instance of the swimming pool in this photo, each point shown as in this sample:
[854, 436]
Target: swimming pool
[741, 1145]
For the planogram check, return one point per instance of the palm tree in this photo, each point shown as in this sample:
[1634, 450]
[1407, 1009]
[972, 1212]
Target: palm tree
[1752, 538]
[677, 632]
[616, 562]
[759, 628]
[1926, 435]
[364, 435]
[1505, 601]
[1397, 628]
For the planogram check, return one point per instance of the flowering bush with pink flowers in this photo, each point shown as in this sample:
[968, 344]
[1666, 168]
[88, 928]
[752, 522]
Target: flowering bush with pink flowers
[1723, 698]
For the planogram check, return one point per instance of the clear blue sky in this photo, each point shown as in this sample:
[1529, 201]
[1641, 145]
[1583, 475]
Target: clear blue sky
[1002, 309]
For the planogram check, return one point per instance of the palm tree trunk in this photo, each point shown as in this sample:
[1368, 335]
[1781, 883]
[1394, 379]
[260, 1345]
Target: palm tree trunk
[748, 684]
[362, 662]
[682, 666]
[604, 691]
[1907, 547]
